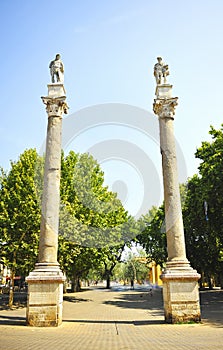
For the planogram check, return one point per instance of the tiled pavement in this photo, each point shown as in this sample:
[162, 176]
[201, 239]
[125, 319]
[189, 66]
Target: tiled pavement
[99, 319]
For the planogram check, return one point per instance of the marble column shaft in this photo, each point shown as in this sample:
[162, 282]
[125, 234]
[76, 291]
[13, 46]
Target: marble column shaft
[180, 287]
[48, 245]
[45, 282]
[173, 212]
[165, 109]
[51, 193]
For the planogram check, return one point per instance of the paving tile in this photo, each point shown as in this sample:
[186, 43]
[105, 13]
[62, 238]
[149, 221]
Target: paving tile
[97, 319]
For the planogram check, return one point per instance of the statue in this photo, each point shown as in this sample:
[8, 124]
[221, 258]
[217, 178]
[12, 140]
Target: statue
[161, 71]
[57, 69]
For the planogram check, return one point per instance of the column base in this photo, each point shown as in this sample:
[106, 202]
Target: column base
[45, 296]
[180, 293]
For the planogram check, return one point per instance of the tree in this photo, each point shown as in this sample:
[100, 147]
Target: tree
[110, 256]
[197, 234]
[153, 237]
[20, 215]
[203, 213]
[91, 217]
[91, 221]
[133, 267]
[94, 207]
[211, 171]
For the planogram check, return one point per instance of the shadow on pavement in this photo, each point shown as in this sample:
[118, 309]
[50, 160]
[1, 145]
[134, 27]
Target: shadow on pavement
[73, 299]
[12, 320]
[20, 301]
[135, 323]
[140, 300]
[211, 302]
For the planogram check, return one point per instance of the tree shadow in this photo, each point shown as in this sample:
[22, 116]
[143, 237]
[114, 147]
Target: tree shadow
[140, 300]
[73, 299]
[211, 302]
[20, 301]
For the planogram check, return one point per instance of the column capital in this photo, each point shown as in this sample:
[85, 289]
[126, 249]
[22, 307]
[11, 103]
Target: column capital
[165, 107]
[55, 107]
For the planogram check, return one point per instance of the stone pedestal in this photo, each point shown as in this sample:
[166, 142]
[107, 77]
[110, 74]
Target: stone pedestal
[45, 283]
[164, 90]
[45, 296]
[181, 294]
[180, 281]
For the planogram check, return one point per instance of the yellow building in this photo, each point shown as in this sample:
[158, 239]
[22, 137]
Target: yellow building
[154, 271]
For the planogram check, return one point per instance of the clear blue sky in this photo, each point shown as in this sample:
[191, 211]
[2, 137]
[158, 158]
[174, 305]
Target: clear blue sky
[109, 50]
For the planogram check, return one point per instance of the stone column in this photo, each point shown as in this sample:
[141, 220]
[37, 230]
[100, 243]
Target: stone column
[180, 286]
[45, 283]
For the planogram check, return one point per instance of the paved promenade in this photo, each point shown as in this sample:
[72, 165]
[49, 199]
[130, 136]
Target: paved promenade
[119, 319]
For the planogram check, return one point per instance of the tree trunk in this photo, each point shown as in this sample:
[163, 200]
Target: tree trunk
[65, 287]
[221, 280]
[210, 284]
[11, 289]
[108, 281]
[75, 286]
[201, 281]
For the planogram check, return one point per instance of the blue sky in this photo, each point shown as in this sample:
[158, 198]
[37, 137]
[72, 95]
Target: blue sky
[109, 50]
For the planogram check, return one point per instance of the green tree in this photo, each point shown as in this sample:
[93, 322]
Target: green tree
[110, 257]
[208, 188]
[211, 171]
[197, 232]
[153, 236]
[91, 220]
[20, 215]
[91, 216]
[133, 267]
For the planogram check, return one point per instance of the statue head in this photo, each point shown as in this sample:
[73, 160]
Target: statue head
[159, 59]
[57, 56]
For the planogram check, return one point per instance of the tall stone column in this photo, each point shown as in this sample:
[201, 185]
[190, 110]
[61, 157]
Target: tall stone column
[45, 283]
[180, 286]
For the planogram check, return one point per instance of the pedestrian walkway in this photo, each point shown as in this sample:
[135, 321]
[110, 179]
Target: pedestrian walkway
[117, 319]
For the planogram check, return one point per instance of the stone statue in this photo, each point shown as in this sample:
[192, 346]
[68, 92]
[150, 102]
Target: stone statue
[161, 71]
[57, 69]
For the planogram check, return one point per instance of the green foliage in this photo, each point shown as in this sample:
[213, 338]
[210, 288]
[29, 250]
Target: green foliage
[204, 234]
[93, 222]
[94, 227]
[195, 226]
[153, 237]
[20, 213]
[211, 171]
[134, 267]
[95, 213]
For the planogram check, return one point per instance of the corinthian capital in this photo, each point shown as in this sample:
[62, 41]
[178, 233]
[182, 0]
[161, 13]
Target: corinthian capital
[165, 108]
[55, 107]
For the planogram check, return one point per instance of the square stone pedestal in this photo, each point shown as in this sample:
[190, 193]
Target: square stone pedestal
[181, 297]
[164, 91]
[45, 296]
[56, 90]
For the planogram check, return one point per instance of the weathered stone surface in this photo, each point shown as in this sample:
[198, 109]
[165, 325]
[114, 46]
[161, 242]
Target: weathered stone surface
[57, 69]
[180, 287]
[181, 300]
[56, 90]
[45, 283]
[164, 90]
[45, 296]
